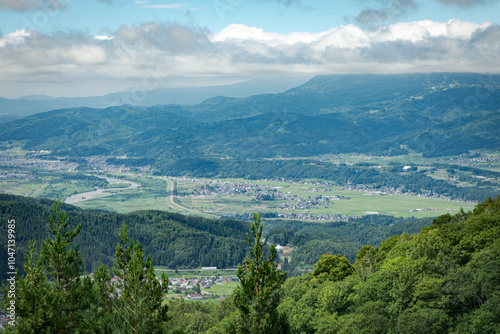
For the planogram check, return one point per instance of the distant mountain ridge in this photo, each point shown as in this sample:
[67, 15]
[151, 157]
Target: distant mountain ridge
[12, 109]
[435, 114]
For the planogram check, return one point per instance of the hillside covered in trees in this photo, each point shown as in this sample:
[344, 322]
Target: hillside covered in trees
[445, 279]
[434, 114]
[171, 239]
[178, 241]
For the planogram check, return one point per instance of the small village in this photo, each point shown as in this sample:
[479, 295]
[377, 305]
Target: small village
[193, 287]
[281, 200]
[198, 288]
[33, 162]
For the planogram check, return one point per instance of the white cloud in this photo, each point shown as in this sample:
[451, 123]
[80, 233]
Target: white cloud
[151, 49]
[427, 30]
[104, 38]
[241, 32]
[15, 38]
[85, 55]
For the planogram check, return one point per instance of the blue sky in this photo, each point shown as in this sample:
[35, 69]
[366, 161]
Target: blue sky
[99, 17]
[94, 47]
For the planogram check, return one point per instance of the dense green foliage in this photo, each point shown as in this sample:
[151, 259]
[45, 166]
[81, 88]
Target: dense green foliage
[60, 262]
[179, 241]
[258, 294]
[171, 239]
[42, 307]
[346, 238]
[72, 303]
[445, 279]
[139, 306]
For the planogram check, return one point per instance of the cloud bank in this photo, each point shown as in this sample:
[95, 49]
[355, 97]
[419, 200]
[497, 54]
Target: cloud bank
[161, 51]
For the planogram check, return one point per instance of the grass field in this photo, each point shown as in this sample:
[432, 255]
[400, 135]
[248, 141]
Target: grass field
[357, 204]
[45, 185]
[154, 194]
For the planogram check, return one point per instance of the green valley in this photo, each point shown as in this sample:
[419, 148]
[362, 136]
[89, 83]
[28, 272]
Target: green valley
[347, 172]
[217, 197]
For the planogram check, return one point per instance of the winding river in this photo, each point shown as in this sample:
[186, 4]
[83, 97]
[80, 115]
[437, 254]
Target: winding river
[73, 199]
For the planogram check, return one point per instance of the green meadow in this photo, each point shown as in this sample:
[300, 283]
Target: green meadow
[154, 194]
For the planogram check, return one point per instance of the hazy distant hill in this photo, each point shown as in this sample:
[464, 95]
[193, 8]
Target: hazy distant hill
[435, 114]
[11, 109]
[376, 113]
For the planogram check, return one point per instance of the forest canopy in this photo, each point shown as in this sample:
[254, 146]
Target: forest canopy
[445, 279]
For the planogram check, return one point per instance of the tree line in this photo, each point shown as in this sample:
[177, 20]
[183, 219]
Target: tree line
[171, 239]
[56, 295]
[445, 279]
[178, 241]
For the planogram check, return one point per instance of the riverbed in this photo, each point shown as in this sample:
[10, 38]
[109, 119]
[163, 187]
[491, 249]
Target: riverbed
[73, 199]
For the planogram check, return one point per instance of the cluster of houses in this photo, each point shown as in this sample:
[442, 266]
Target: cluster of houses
[392, 191]
[217, 188]
[259, 192]
[473, 159]
[430, 209]
[33, 162]
[100, 164]
[311, 202]
[306, 215]
[186, 284]
[182, 284]
[343, 157]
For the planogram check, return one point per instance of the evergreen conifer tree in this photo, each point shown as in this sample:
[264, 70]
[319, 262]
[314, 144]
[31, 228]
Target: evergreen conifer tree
[71, 294]
[138, 298]
[59, 307]
[258, 294]
[61, 262]
[34, 300]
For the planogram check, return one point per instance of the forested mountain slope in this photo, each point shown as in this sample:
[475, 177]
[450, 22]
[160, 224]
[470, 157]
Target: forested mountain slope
[435, 114]
[445, 279]
[180, 241]
[170, 239]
